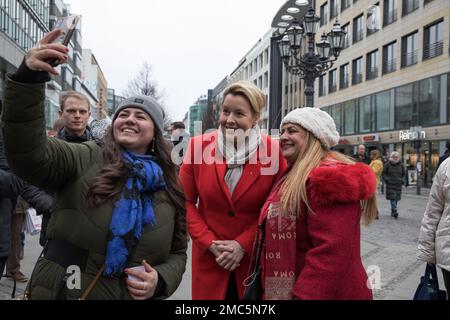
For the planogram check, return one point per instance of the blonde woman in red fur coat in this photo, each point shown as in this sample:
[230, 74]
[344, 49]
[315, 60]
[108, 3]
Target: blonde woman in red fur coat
[313, 214]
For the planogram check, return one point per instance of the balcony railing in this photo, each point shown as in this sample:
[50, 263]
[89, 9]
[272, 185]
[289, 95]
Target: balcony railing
[389, 66]
[344, 82]
[409, 6]
[409, 58]
[357, 78]
[372, 73]
[390, 17]
[433, 50]
[358, 35]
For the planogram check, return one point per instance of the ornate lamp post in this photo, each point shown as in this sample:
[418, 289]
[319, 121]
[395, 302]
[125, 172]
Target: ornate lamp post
[311, 64]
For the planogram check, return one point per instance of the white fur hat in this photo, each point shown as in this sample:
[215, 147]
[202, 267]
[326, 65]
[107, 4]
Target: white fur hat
[316, 121]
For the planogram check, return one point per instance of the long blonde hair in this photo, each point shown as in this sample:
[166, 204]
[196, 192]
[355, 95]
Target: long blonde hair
[293, 189]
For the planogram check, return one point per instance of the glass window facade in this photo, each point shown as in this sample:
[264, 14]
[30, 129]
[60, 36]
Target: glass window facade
[24, 22]
[389, 11]
[414, 104]
[344, 76]
[372, 65]
[410, 49]
[357, 71]
[332, 81]
[389, 61]
[358, 28]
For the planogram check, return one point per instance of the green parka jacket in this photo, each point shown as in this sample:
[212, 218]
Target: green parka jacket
[68, 169]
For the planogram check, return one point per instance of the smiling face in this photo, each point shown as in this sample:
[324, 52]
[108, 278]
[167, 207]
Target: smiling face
[237, 113]
[292, 141]
[134, 130]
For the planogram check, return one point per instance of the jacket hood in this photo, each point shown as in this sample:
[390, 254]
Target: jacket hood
[341, 183]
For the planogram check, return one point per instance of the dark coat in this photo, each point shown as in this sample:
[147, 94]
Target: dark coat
[393, 176]
[70, 168]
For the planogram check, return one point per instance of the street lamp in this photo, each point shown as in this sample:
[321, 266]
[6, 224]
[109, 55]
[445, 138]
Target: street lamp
[311, 64]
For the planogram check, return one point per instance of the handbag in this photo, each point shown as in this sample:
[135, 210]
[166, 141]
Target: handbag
[428, 288]
[253, 283]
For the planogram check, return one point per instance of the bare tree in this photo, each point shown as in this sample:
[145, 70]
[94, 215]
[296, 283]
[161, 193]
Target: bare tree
[144, 84]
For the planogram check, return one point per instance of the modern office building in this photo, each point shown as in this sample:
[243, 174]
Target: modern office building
[94, 79]
[391, 85]
[195, 117]
[113, 101]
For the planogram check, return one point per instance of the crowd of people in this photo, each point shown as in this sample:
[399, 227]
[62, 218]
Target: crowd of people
[117, 203]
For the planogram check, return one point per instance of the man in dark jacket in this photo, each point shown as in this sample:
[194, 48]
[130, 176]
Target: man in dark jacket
[361, 156]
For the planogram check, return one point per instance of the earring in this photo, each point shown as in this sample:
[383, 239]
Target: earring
[153, 146]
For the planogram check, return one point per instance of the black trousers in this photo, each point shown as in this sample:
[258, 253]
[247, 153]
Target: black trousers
[2, 266]
[446, 276]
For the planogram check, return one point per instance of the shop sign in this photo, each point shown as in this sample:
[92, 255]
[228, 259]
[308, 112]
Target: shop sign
[410, 135]
[372, 138]
[343, 141]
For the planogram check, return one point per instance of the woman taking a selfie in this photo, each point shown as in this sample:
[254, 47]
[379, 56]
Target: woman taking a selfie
[118, 205]
[312, 217]
[226, 176]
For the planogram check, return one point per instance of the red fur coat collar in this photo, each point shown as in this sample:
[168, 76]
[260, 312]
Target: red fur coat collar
[334, 182]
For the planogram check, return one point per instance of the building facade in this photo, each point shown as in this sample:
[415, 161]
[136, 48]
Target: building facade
[195, 117]
[254, 67]
[392, 80]
[95, 81]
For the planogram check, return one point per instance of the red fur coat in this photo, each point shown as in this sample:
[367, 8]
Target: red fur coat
[326, 264]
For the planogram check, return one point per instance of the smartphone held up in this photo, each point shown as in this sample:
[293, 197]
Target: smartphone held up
[68, 26]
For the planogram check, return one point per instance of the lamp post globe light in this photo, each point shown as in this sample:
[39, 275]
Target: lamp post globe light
[297, 45]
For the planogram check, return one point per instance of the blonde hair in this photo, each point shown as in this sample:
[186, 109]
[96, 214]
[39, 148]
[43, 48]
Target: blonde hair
[250, 92]
[375, 154]
[293, 189]
[72, 94]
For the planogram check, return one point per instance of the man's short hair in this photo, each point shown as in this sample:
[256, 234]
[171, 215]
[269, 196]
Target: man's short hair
[178, 125]
[72, 94]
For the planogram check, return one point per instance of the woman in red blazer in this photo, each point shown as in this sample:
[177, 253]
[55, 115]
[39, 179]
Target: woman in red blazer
[312, 217]
[227, 175]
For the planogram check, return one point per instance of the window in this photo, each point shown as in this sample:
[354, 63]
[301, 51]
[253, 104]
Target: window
[389, 63]
[409, 49]
[345, 4]
[322, 88]
[372, 65]
[335, 113]
[349, 117]
[333, 9]
[346, 29]
[429, 101]
[383, 107]
[344, 76]
[433, 40]
[365, 114]
[404, 107]
[323, 14]
[332, 81]
[389, 12]
[266, 80]
[358, 29]
[373, 19]
[357, 71]
[409, 6]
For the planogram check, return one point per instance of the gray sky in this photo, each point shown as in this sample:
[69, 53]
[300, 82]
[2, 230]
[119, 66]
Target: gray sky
[192, 45]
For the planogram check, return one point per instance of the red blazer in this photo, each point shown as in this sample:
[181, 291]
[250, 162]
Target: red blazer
[328, 255]
[212, 214]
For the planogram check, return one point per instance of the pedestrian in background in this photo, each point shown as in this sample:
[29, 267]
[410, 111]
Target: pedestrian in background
[224, 194]
[446, 154]
[385, 160]
[376, 164]
[180, 140]
[394, 176]
[360, 155]
[434, 238]
[118, 205]
[312, 216]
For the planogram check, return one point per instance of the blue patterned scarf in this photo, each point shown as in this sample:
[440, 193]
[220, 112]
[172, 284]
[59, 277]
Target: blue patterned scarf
[133, 210]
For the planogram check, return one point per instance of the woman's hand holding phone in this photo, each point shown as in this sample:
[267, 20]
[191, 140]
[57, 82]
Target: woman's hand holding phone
[37, 58]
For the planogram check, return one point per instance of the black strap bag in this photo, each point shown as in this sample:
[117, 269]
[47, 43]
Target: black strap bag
[428, 288]
[253, 283]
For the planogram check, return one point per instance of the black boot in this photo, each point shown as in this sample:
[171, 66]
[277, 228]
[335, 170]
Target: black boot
[395, 214]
